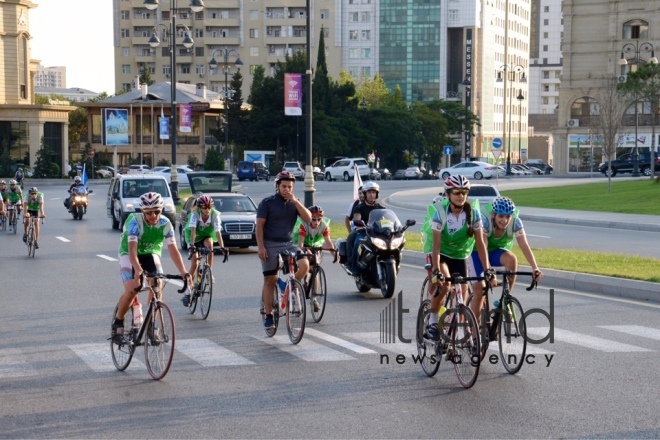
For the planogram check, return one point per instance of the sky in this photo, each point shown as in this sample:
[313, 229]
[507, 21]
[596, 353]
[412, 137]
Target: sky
[76, 34]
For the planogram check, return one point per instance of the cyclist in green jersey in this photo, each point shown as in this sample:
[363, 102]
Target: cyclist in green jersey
[34, 207]
[203, 228]
[14, 197]
[141, 247]
[316, 233]
[456, 227]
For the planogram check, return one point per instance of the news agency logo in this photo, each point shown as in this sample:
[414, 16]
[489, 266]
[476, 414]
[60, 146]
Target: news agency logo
[391, 321]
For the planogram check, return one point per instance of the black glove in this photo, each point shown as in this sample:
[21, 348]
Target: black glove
[437, 276]
[490, 274]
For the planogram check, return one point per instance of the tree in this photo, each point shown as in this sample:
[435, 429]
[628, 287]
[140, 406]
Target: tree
[42, 165]
[645, 83]
[145, 75]
[613, 104]
[77, 125]
[213, 160]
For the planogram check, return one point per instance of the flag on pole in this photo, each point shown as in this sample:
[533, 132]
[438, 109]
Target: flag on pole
[357, 183]
[84, 176]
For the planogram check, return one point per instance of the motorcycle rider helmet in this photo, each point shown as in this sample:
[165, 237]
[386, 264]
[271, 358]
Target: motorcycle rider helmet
[20, 169]
[33, 190]
[77, 179]
[456, 182]
[204, 202]
[503, 206]
[317, 211]
[151, 200]
[284, 175]
[371, 186]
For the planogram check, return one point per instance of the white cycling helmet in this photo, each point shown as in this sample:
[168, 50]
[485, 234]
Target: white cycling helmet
[457, 182]
[151, 200]
[77, 179]
[13, 182]
[371, 186]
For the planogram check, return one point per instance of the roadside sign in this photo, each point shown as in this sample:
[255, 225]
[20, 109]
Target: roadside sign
[496, 143]
[523, 153]
[447, 150]
[497, 154]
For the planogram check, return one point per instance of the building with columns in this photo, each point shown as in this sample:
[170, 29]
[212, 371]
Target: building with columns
[23, 124]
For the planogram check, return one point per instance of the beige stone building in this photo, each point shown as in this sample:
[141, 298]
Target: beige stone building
[597, 34]
[22, 123]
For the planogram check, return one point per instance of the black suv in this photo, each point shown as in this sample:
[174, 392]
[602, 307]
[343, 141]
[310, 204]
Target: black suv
[624, 164]
[252, 171]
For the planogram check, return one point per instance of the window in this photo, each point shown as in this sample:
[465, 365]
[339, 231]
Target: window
[635, 29]
[546, 88]
[126, 68]
[545, 35]
[326, 33]
[545, 48]
[354, 53]
[365, 71]
[200, 69]
[185, 68]
[546, 22]
[126, 87]
[125, 15]
[254, 15]
[254, 51]
[546, 74]
[125, 33]
[254, 33]
[167, 70]
[353, 17]
[546, 9]
[452, 15]
[199, 51]
[366, 53]
[125, 51]
[325, 14]
[366, 17]
[366, 35]
[253, 68]
[199, 33]
[353, 35]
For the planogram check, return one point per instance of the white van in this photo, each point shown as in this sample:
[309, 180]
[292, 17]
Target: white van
[124, 196]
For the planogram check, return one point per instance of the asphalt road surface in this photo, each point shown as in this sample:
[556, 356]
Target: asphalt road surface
[228, 380]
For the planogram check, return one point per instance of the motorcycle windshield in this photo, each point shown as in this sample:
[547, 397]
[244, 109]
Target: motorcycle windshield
[79, 190]
[384, 221]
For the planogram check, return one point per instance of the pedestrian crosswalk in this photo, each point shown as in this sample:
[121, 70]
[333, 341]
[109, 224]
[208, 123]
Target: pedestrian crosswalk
[320, 346]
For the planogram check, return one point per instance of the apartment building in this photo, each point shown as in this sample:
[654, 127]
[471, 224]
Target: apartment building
[603, 39]
[259, 32]
[50, 77]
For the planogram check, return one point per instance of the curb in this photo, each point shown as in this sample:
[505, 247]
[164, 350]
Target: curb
[646, 227]
[560, 279]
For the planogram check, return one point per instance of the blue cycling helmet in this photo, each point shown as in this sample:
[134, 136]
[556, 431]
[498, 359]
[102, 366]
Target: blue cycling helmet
[503, 206]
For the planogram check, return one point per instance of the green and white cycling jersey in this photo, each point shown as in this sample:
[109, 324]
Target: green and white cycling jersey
[455, 240]
[313, 237]
[203, 229]
[150, 239]
[514, 229]
[34, 205]
[15, 196]
[5, 194]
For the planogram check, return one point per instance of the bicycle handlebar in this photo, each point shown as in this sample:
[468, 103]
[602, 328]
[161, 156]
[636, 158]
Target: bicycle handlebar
[534, 283]
[158, 276]
[205, 251]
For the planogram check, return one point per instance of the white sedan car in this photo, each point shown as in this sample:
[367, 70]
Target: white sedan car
[167, 173]
[471, 170]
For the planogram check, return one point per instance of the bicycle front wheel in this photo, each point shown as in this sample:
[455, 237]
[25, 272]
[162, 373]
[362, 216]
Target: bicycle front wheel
[512, 336]
[159, 341]
[319, 289]
[295, 312]
[3, 223]
[426, 350]
[465, 346]
[205, 292]
[30, 243]
[122, 351]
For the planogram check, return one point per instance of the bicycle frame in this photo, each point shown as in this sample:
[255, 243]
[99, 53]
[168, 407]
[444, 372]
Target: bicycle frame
[505, 298]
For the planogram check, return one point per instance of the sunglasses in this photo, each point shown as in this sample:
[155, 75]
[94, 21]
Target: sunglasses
[154, 213]
[461, 192]
[316, 219]
[205, 207]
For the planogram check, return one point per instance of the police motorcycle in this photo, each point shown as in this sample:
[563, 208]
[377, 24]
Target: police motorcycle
[379, 253]
[78, 202]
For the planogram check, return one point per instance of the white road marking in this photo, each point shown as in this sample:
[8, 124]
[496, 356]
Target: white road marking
[105, 257]
[539, 236]
[209, 354]
[13, 364]
[337, 341]
[587, 341]
[635, 330]
[373, 338]
[306, 349]
[98, 357]
[63, 239]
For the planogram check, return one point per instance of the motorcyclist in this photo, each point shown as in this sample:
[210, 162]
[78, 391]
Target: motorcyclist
[77, 182]
[371, 191]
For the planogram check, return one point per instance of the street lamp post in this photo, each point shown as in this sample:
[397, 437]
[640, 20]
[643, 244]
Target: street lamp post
[213, 64]
[636, 48]
[154, 41]
[506, 69]
[309, 170]
[467, 147]
[520, 99]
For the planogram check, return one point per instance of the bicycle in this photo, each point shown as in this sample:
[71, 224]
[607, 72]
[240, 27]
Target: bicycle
[156, 332]
[3, 222]
[202, 291]
[289, 302]
[31, 239]
[514, 345]
[459, 334]
[11, 215]
[316, 288]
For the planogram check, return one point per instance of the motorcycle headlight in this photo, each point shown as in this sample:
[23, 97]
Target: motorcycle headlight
[379, 243]
[396, 242]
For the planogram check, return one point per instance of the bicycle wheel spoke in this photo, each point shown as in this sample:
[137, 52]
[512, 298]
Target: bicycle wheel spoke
[122, 352]
[205, 292]
[296, 313]
[426, 350]
[318, 296]
[159, 341]
[465, 343]
[512, 337]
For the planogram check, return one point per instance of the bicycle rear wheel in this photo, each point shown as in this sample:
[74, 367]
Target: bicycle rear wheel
[512, 336]
[3, 223]
[159, 341]
[426, 350]
[423, 294]
[295, 312]
[465, 345]
[483, 326]
[122, 353]
[205, 292]
[319, 289]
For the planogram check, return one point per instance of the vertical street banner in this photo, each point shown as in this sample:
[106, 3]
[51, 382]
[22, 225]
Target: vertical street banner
[185, 118]
[293, 94]
[468, 89]
[115, 126]
[163, 126]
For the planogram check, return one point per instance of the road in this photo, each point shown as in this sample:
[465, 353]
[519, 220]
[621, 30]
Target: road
[229, 381]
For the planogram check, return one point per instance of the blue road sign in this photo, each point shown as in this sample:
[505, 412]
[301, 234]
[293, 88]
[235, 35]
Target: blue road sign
[497, 143]
[447, 149]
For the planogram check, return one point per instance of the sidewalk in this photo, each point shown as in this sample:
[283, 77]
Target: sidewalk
[419, 199]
